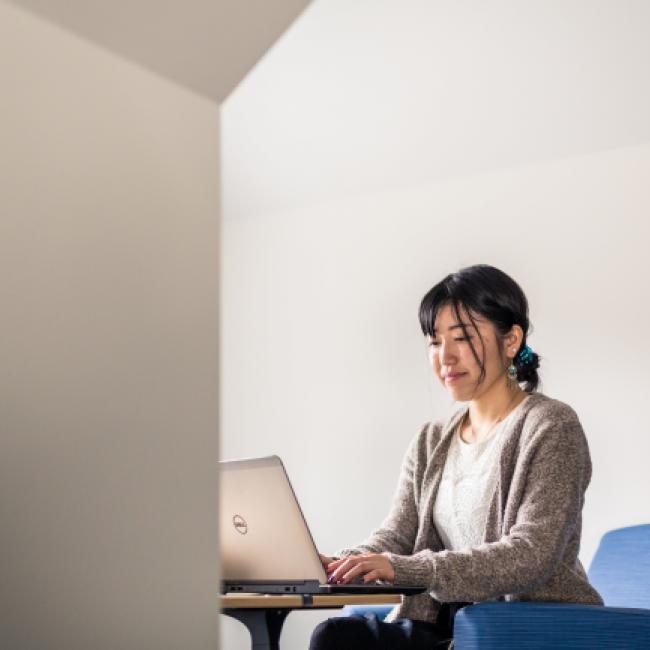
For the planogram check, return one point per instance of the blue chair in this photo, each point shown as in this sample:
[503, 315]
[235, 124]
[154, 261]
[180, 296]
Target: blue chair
[620, 571]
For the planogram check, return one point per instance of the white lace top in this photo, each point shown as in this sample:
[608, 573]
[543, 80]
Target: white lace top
[466, 488]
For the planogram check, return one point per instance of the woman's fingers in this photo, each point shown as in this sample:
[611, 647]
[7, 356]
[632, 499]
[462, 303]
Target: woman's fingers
[359, 569]
[334, 564]
[372, 576]
[372, 565]
[339, 568]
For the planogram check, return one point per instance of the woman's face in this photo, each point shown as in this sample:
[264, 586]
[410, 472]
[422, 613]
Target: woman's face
[452, 359]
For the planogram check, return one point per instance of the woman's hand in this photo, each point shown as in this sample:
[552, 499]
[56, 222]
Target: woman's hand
[368, 566]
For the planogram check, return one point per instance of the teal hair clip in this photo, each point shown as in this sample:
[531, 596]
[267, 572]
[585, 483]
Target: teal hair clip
[525, 355]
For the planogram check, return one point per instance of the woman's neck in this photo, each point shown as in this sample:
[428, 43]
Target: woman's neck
[494, 404]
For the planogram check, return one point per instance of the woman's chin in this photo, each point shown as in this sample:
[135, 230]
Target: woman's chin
[459, 394]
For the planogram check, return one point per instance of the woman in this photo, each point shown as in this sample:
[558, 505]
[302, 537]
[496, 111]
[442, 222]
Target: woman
[489, 502]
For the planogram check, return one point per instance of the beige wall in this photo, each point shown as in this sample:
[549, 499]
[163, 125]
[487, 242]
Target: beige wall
[108, 389]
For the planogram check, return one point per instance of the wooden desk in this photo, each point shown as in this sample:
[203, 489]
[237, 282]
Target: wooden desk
[264, 615]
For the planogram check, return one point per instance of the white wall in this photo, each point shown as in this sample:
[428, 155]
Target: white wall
[108, 390]
[380, 147]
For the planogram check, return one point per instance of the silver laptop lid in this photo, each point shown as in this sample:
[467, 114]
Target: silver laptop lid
[263, 534]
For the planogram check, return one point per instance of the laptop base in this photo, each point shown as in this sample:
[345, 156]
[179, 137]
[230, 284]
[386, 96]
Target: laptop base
[314, 587]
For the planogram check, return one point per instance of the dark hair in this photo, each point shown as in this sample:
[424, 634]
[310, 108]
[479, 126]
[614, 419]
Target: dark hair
[487, 292]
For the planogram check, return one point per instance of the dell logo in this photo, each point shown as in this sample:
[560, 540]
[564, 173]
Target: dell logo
[240, 524]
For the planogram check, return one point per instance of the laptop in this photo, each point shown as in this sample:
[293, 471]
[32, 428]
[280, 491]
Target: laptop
[266, 546]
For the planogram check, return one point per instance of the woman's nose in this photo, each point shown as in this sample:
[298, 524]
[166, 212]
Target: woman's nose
[446, 352]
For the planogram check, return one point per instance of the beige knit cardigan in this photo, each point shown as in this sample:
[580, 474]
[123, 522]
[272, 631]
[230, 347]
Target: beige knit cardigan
[532, 534]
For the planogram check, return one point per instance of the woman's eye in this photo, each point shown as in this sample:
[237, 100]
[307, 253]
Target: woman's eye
[463, 338]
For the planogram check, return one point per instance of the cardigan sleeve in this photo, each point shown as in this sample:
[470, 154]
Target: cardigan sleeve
[398, 530]
[553, 470]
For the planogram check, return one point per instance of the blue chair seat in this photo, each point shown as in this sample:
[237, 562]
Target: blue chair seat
[540, 626]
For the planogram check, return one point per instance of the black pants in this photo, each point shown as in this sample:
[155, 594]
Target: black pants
[369, 633]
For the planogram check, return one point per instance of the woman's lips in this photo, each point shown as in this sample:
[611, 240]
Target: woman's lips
[454, 376]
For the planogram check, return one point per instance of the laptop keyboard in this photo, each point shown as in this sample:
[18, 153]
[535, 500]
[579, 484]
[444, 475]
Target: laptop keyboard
[358, 580]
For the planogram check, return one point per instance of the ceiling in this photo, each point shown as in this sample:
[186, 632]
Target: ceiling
[206, 45]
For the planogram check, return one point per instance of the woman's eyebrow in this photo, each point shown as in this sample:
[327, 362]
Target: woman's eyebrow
[455, 327]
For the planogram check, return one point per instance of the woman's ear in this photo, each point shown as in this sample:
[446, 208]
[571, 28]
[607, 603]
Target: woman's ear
[513, 339]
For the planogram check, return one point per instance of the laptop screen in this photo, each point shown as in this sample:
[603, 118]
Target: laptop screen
[263, 534]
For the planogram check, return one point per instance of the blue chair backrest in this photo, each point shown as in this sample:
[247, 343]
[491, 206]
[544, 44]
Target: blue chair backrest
[620, 570]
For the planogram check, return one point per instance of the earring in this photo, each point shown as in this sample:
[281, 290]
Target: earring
[512, 371]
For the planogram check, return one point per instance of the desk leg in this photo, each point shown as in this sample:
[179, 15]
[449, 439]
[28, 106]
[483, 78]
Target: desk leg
[264, 625]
